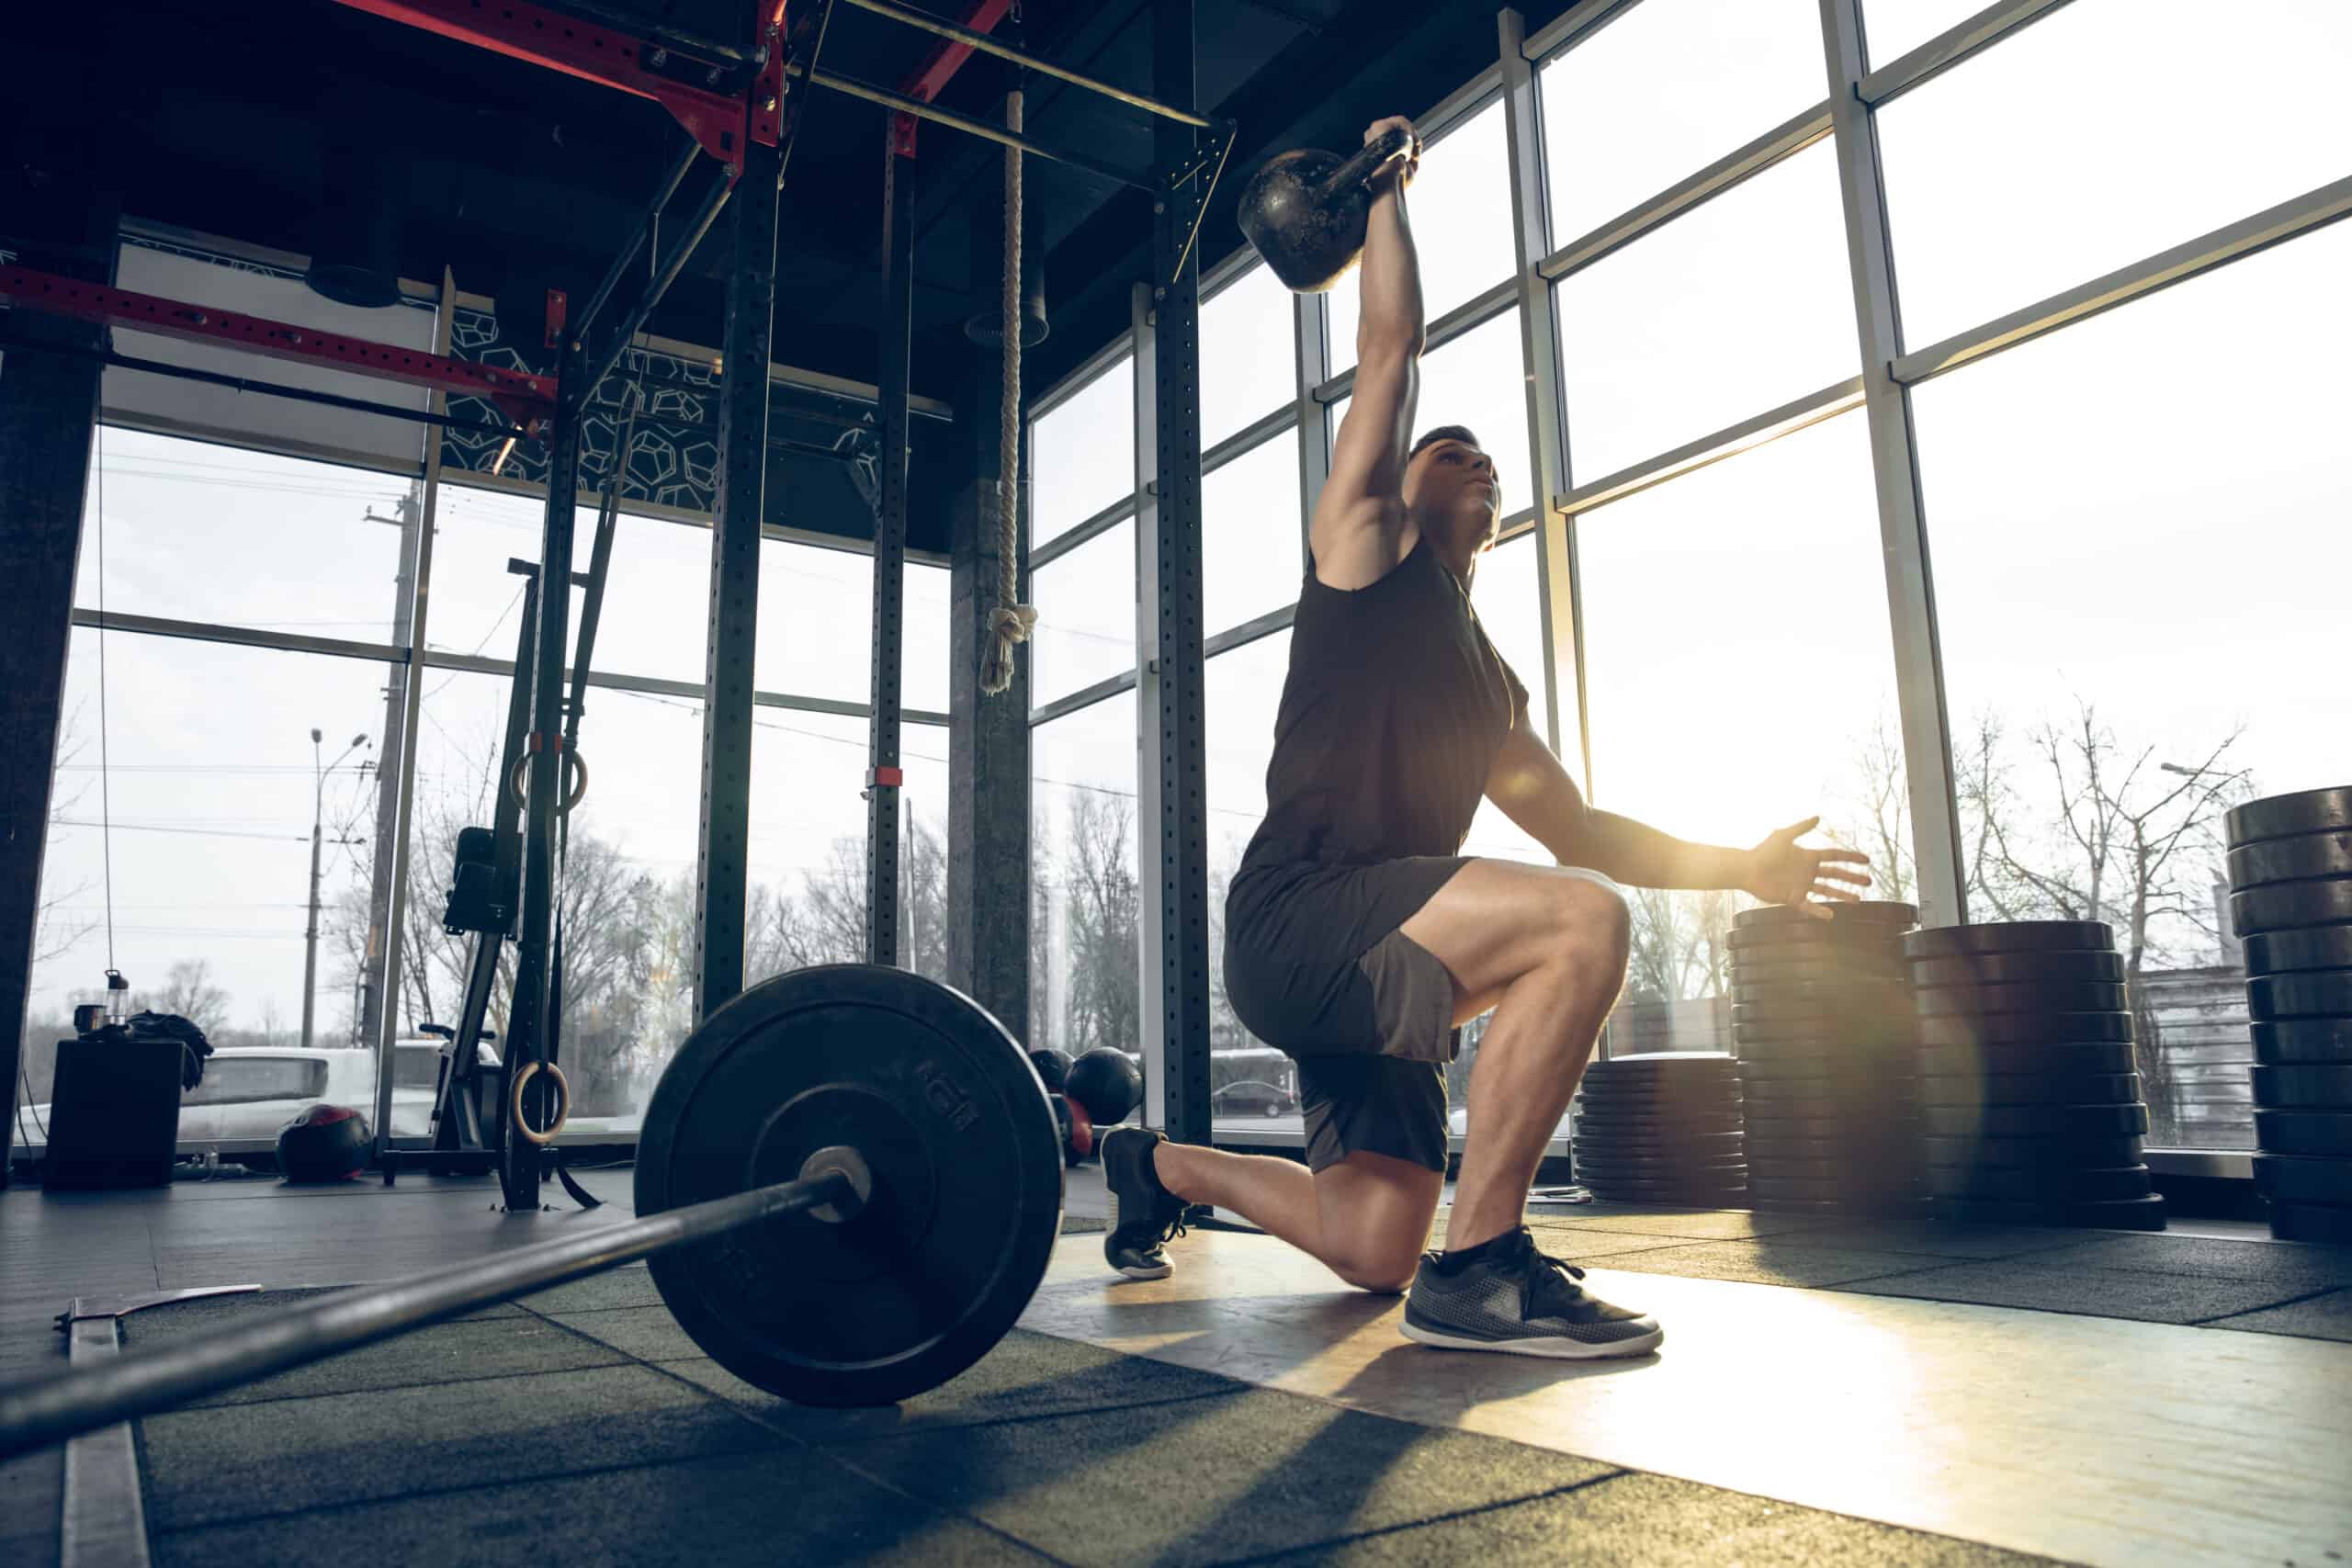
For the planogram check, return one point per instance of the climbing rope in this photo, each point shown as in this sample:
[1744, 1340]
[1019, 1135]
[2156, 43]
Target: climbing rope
[1012, 621]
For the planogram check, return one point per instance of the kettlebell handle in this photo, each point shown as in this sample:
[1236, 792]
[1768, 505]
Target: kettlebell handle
[1368, 161]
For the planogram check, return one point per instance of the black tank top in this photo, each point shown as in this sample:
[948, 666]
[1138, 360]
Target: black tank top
[1392, 709]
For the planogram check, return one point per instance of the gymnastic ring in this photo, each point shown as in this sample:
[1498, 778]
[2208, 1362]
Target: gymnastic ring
[562, 1102]
[573, 760]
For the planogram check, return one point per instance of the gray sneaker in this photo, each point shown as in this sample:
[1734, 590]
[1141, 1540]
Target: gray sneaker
[1144, 1214]
[1517, 1300]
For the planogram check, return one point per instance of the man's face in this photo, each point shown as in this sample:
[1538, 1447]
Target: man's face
[1455, 481]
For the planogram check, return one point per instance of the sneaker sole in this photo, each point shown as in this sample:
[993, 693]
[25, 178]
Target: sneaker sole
[1549, 1346]
[1134, 1273]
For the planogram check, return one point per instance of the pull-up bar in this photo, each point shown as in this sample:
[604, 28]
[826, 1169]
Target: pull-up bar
[987, 45]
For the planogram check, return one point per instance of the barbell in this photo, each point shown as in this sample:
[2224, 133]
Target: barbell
[848, 1186]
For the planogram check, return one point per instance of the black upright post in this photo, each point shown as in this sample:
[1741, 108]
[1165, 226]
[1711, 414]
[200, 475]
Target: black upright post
[1173, 741]
[49, 408]
[723, 873]
[883, 778]
[529, 1024]
[987, 736]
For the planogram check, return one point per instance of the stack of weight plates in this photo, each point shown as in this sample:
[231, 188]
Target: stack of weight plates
[2290, 876]
[1821, 1014]
[1660, 1128]
[2030, 1108]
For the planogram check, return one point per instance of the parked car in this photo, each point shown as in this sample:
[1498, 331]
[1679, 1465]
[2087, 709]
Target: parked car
[1253, 1097]
[250, 1091]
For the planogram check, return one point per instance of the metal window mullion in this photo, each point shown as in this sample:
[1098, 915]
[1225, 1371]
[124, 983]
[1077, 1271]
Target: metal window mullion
[1084, 697]
[1248, 631]
[1838, 397]
[1547, 442]
[241, 636]
[1573, 26]
[1911, 604]
[1078, 533]
[883, 797]
[412, 699]
[1258, 431]
[1947, 49]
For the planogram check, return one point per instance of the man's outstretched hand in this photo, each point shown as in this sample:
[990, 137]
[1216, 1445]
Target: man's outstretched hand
[1782, 871]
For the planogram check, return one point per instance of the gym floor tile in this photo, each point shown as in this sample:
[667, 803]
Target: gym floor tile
[629, 1287]
[2320, 1317]
[1654, 1520]
[447, 1352]
[235, 1461]
[784, 1505]
[1210, 1480]
[1933, 1240]
[1694, 1224]
[1026, 1376]
[647, 1333]
[1767, 1262]
[2101, 1293]
[1562, 1242]
[202, 1314]
[2298, 1266]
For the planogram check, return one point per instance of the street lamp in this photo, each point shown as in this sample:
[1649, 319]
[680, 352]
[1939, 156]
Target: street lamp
[318, 821]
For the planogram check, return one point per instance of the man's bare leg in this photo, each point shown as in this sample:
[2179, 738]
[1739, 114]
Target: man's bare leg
[1546, 948]
[1364, 1218]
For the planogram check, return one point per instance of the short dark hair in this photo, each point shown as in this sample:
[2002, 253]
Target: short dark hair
[1462, 433]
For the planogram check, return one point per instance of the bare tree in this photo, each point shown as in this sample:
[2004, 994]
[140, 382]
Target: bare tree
[188, 991]
[1681, 946]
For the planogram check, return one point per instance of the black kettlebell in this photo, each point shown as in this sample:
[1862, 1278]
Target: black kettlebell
[1306, 212]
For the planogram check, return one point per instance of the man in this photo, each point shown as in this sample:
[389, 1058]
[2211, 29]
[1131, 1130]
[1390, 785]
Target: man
[1357, 936]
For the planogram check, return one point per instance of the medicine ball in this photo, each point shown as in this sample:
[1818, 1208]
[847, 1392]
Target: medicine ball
[326, 1142]
[1107, 1083]
[1053, 1068]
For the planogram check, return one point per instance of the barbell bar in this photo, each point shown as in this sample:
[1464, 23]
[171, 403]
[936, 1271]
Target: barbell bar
[848, 1187]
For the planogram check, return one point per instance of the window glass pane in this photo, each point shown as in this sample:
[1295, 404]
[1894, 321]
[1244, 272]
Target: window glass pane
[815, 636]
[177, 273]
[923, 665]
[1242, 689]
[1084, 987]
[1663, 90]
[1504, 592]
[627, 893]
[1249, 354]
[1251, 552]
[2172, 470]
[195, 532]
[1892, 28]
[1732, 308]
[2072, 133]
[229, 1080]
[1086, 615]
[1739, 667]
[1083, 454]
[1475, 381]
[212, 790]
[657, 592]
[1460, 210]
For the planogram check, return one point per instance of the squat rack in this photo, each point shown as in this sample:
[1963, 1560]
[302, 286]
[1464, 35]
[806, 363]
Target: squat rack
[739, 104]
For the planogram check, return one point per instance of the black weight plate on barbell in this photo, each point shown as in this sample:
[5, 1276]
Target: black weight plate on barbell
[2319, 1041]
[2050, 1184]
[1975, 1088]
[2303, 1089]
[952, 1120]
[2035, 997]
[1648, 1086]
[2069, 1058]
[2034, 1121]
[1746, 970]
[2287, 816]
[2129, 1214]
[2319, 993]
[2035, 1151]
[1821, 940]
[2025, 1028]
[1620, 1112]
[2011, 936]
[2303, 1178]
[2292, 905]
[2303, 1132]
[1861, 911]
[1665, 1134]
[1855, 999]
[2311, 1221]
[1658, 1168]
[2080, 966]
[2290, 860]
[2314, 947]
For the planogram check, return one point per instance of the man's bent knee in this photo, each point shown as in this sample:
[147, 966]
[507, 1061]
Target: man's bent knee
[1592, 923]
[1385, 1267]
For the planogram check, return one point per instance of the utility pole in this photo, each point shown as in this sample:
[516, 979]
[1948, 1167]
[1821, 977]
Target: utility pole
[369, 1008]
[318, 835]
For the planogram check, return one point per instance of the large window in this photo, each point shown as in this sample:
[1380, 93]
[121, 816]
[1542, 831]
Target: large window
[195, 532]
[2068, 151]
[816, 636]
[1242, 689]
[1086, 615]
[1082, 452]
[2171, 472]
[1663, 90]
[1084, 888]
[1739, 662]
[1460, 210]
[1729, 310]
[1249, 358]
[1251, 553]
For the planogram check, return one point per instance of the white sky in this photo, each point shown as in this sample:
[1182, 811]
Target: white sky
[2147, 509]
